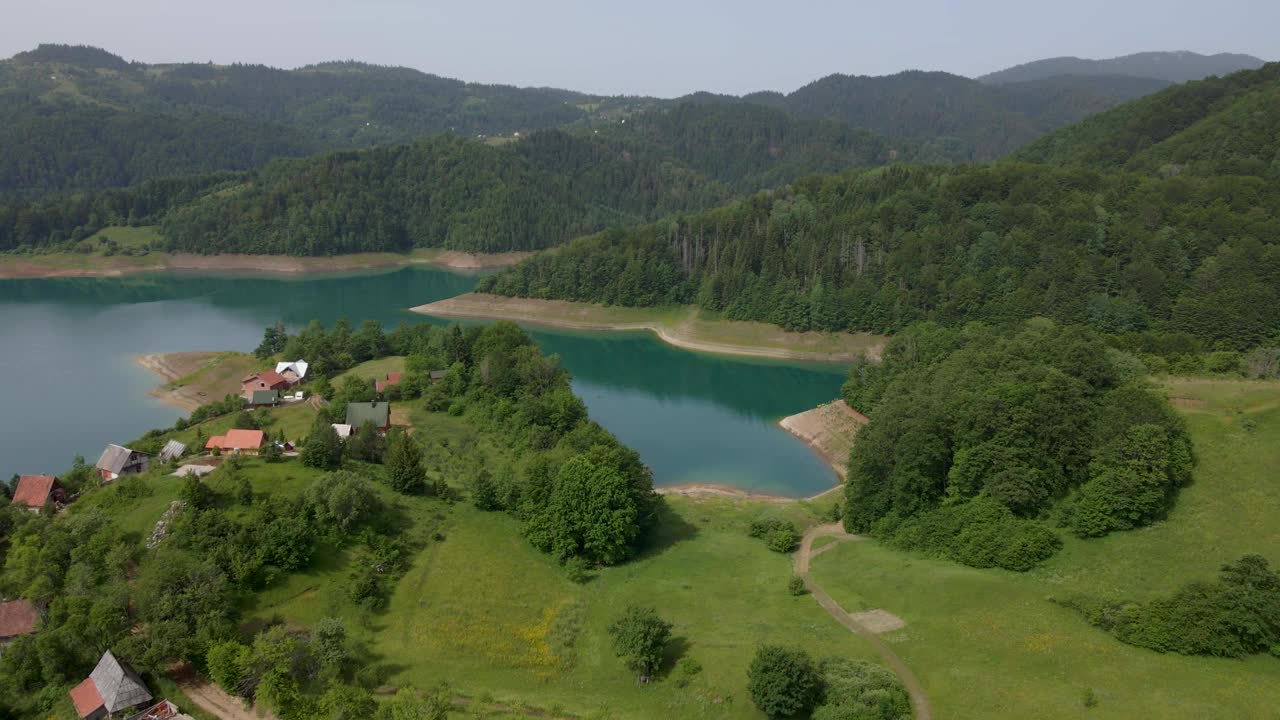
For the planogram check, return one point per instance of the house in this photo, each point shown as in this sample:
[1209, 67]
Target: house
[112, 687]
[377, 412]
[295, 371]
[343, 430]
[117, 460]
[17, 617]
[264, 398]
[438, 375]
[172, 450]
[392, 379]
[34, 491]
[243, 442]
[265, 380]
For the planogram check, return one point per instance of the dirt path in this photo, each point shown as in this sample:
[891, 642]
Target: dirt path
[216, 702]
[919, 701]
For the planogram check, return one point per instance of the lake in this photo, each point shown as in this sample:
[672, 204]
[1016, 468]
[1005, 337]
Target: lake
[70, 385]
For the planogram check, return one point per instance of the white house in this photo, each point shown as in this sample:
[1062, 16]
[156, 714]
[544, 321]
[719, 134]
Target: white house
[295, 371]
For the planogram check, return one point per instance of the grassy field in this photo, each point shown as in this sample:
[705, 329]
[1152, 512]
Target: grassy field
[989, 644]
[682, 326]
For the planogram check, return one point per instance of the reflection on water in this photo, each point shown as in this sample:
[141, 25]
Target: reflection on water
[66, 345]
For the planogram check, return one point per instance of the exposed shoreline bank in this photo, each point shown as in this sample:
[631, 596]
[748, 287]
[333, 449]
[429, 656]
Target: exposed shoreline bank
[829, 430]
[71, 265]
[679, 327]
[192, 379]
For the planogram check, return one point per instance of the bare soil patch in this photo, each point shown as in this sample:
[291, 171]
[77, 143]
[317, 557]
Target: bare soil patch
[195, 378]
[878, 621]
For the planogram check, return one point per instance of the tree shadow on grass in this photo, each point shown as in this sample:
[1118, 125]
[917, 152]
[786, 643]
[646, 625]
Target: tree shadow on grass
[669, 530]
[677, 647]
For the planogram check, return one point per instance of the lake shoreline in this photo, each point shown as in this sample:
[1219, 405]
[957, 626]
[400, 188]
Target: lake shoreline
[684, 330]
[829, 431]
[194, 378]
[58, 265]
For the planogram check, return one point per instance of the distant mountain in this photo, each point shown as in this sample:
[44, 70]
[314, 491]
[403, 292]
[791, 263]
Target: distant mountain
[1228, 125]
[952, 118]
[1171, 67]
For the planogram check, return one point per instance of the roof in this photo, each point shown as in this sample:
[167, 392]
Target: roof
[33, 490]
[378, 412]
[86, 698]
[114, 458]
[270, 378]
[171, 450]
[117, 684]
[237, 440]
[438, 374]
[17, 617]
[342, 429]
[264, 397]
[299, 367]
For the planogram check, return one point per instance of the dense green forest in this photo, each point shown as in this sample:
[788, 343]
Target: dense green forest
[1218, 126]
[983, 438]
[877, 250]
[79, 118]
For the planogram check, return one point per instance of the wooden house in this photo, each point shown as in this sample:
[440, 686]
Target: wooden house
[438, 375]
[34, 491]
[264, 398]
[118, 460]
[112, 689]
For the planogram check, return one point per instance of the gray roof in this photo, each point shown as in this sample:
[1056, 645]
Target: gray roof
[118, 685]
[438, 374]
[378, 412]
[265, 397]
[172, 449]
[114, 458]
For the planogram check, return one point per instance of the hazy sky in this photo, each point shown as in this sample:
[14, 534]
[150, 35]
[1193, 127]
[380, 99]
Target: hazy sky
[653, 47]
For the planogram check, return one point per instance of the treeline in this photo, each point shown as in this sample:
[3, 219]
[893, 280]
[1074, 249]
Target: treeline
[1216, 126]
[982, 439]
[1234, 616]
[878, 250]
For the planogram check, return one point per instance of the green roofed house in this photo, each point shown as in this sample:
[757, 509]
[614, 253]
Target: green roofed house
[379, 413]
[264, 398]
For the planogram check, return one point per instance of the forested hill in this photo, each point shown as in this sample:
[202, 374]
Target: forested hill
[76, 118]
[877, 250]
[1214, 126]
[1172, 67]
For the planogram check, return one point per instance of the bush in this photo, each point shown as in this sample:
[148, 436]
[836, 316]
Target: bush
[686, 670]
[980, 533]
[861, 690]
[783, 539]
[795, 585]
[783, 682]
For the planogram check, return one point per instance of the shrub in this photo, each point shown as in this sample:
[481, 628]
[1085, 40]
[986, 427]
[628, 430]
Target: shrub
[861, 690]
[795, 585]
[783, 539]
[783, 682]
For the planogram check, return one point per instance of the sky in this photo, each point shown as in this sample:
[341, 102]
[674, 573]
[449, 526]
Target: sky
[665, 48]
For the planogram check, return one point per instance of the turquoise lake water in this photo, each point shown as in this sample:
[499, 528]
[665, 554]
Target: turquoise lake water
[70, 385]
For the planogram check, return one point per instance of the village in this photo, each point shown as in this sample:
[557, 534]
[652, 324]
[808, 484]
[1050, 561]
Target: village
[114, 691]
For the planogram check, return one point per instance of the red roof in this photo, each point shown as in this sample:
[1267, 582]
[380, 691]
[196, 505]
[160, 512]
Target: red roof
[86, 698]
[33, 490]
[237, 440]
[17, 618]
[270, 378]
[392, 379]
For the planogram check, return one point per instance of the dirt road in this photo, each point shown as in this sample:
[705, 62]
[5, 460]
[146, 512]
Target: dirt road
[213, 700]
[919, 701]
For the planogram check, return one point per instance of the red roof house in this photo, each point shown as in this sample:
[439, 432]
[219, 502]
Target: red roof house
[17, 617]
[34, 491]
[247, 442]
[392, 379]
[265, 380]
[113, 686]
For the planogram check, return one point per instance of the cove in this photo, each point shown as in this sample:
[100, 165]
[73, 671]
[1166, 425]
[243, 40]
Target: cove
[66, 345]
